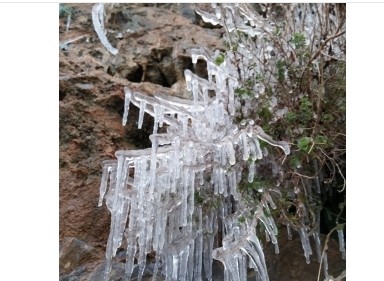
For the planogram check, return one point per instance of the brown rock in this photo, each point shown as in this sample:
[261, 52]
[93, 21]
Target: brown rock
[75, 253]
[154, 42]
[290, 263]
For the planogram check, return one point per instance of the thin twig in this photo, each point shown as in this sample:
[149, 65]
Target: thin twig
[320, 50]
[334, 162]
[325, 248]
[326, 244]
[68, 22]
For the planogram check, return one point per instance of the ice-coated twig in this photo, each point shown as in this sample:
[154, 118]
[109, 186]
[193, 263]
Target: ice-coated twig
[263, 136]
[68, 22]
[64, 45]
[128, 97]
[340, 234]
[98, 24]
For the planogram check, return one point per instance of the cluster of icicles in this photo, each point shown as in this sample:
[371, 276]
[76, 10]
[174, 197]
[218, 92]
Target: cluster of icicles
[151, 193]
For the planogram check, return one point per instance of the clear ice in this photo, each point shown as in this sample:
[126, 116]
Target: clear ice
[98, 24]
[151, 193]
[180, 198]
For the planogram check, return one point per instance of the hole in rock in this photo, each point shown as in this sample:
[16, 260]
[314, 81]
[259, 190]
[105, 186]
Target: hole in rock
[136, 76]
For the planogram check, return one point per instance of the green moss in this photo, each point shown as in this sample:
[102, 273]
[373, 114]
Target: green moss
[219, 59]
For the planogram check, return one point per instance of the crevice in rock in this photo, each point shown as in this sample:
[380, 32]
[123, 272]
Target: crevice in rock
[138, 137]
[153, 74]
[136, 75]
[200, 69]
[62, 95]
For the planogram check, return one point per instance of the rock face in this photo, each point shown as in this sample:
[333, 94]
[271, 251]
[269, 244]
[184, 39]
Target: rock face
[154, 42]
[153, 53]
[75, 253]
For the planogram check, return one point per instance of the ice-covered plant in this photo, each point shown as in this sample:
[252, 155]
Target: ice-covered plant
[197, 193]
[98, 24]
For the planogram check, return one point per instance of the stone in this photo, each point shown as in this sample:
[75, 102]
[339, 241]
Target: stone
[75, 253]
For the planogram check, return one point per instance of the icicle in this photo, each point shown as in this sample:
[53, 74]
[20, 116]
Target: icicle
[207, 17]
[190, 263]
[252, 170]
[108, 166]
[131, 241]
[221, 180]
[157, 111]
[230, 152]
[245, 146]
[161, 116]
[289, 232]
[210, 229]
[267, 238]
[98, 24]
[128, 97]
[255, 252]
[277, 248]
[270, 201]
[259, 153]
[242, 260]
[184, 198]
[175, 266]
[232, 183]
[340, 234]
[325, 265]
[142, 254]
[252, 149]
[305, 243]
[143, 104]
[269, 225]
[231, 96]
[198, 246]
[316, 237]
[183, 263]
[156, 267]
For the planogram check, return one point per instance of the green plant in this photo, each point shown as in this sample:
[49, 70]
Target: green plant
[65, 10]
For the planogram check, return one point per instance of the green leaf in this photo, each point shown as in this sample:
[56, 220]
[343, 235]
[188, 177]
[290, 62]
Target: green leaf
[291, 116]
[327, 118]
[241, 219]
[303, 143]
[265, 114]
[219, 59]
[295, 162]
[321, 139]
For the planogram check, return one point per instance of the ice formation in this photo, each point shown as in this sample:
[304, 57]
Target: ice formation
[180, 198]
[151, 193]
[98, 24]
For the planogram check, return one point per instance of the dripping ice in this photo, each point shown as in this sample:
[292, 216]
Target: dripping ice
[155, 195]
[154, 210]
